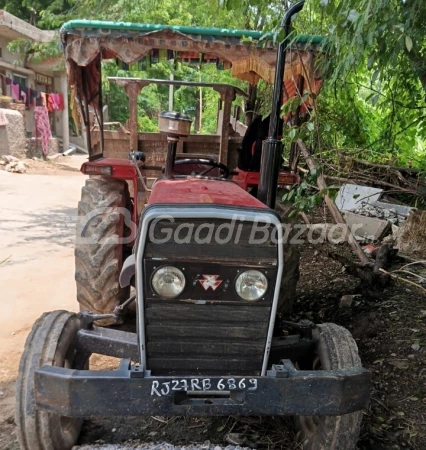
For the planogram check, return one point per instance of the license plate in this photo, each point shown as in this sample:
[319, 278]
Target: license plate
[161, 388]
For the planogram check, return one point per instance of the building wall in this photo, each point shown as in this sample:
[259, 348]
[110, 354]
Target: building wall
[13, 139]
[12, 26]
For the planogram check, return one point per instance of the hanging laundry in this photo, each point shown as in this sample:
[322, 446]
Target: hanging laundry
[33, 98]
[8, 81]
[61, 102]
[24, 96]
[42, 127]
[15, 90]
[43, 97]
[52, 102]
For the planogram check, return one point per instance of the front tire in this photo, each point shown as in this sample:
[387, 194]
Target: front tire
[98, 250]
[336, 349]
[52, 342]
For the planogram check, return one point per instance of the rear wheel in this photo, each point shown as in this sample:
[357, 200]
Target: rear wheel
[291, 257]
[52, 342]
[336, 349]
[98, 250]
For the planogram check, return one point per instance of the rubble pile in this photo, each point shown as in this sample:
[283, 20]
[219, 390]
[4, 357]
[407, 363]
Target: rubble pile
[10, 163]
[378, 221]
[379, 212]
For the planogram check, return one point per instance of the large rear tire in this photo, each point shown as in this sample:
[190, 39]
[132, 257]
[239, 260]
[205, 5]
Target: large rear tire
[291, 258]
[98, 250]
[336, 349]
[52, 342]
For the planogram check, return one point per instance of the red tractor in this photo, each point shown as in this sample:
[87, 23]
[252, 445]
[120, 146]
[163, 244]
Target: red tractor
[203, 260]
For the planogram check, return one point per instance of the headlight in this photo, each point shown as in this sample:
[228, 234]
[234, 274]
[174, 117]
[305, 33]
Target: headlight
[168, 282]
[251, 285]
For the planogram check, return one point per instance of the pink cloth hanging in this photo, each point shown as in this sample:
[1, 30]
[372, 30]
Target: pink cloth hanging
[42, 127]
[15, 90]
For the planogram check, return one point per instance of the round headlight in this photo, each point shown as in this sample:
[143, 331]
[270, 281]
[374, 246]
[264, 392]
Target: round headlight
[168, 282]
[251, 285]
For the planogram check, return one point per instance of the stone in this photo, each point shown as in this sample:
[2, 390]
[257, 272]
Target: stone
[235, 438]
[400, 210]
[9, 158]
[20, 167]
[399, 364]
[346, 301]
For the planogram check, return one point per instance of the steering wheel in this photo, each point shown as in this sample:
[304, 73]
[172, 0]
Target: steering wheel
[205, 162]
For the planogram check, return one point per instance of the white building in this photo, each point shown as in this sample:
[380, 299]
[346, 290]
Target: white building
[43, 77]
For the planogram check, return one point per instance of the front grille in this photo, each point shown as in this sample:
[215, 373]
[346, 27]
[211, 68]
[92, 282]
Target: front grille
[207, 339]
[207, 332]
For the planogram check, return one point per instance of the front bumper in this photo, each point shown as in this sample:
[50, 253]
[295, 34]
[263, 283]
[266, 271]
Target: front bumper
[129, 392]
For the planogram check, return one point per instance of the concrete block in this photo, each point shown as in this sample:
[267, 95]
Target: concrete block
[351, 196]
[368, 228]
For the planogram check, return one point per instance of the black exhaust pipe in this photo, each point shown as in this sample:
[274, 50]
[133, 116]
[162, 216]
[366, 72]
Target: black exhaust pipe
[272, 147]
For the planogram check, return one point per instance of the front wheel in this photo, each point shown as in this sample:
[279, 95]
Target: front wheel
[335, 349]
[52, 342]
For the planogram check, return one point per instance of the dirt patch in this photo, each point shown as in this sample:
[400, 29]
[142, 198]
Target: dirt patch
[56, 166]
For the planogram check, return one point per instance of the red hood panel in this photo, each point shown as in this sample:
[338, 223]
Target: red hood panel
[193, 190]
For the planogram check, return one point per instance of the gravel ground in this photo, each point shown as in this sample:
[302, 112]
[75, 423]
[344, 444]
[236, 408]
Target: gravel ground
[162, 446]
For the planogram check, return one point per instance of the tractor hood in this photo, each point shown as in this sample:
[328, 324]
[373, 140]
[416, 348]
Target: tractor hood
[202, 191]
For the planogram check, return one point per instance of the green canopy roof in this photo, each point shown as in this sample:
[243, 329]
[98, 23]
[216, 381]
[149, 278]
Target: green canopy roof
[132, 28]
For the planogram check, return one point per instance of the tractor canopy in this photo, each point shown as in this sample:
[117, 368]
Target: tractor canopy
[251, 55]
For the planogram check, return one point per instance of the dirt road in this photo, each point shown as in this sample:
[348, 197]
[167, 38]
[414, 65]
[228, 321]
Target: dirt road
[36, 264]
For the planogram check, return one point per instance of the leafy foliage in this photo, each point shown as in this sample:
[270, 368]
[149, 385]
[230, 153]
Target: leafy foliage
[373, 100]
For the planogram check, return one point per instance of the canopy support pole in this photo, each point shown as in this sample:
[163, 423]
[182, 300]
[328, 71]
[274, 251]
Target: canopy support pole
[132, 88]
[227, 95]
